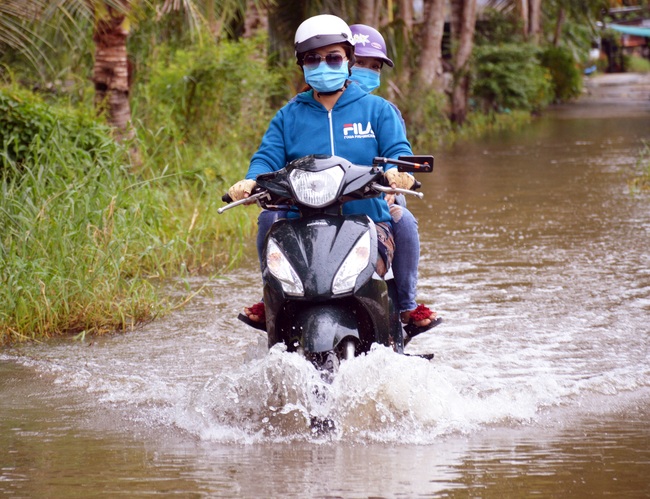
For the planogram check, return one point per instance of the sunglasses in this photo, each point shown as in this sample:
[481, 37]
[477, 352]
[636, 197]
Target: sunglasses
[312, 61]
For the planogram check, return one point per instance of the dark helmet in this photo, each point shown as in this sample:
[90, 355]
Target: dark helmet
[320, 31]
[368, 42]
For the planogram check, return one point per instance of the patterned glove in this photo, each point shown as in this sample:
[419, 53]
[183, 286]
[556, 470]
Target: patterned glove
[401, 180]
[238, 190]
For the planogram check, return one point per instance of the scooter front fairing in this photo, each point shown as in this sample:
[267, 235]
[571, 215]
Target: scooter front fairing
[319, 317]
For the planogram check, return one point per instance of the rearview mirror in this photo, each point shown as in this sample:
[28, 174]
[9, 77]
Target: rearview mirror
[415, 164]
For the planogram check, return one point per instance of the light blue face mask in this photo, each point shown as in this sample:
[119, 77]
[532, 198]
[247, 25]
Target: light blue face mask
[324, 78]
[368, 79]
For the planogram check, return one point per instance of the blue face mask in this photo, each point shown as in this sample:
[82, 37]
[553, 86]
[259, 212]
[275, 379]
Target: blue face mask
[324, 78]
[368, 79]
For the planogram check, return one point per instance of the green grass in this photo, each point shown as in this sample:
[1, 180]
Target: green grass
[85, 242]
[636, 64]
[640, 182]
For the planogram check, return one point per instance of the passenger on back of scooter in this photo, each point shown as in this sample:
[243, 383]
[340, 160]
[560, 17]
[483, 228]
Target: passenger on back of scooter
[336, 118]
[371, 55]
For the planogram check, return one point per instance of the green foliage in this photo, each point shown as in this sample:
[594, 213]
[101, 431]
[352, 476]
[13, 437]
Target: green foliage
[509, 76]
[25, 121]
[577, 38]
[640, 182]
[208, 93]
[567, 78]
[82, 234]
[426, 118]
[636, 64]
[480, 124]
[47, 45]
[498, 26]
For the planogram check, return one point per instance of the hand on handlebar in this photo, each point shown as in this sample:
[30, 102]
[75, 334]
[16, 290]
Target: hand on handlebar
[400, 180]
[241, 189]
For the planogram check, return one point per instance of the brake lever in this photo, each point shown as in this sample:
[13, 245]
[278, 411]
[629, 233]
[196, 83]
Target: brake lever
[395, 190]
[253, 197]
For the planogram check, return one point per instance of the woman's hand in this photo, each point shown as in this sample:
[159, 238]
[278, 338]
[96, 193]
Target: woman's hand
[241, 189]
[401, 180]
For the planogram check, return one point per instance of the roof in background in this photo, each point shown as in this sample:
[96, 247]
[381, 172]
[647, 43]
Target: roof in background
[631, 30]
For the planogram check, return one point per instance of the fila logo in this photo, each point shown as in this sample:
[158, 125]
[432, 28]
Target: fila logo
[357, 131]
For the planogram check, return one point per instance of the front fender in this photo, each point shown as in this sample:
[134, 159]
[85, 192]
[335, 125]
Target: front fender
[323, 326]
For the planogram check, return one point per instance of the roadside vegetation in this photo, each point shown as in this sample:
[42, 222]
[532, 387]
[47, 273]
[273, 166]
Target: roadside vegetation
[636, 64]
[85, 240]
[640, 182]
[93, 228]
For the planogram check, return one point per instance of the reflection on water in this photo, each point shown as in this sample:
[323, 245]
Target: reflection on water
[534, 252]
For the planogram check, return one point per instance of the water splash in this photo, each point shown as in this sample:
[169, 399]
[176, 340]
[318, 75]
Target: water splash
[381, 397]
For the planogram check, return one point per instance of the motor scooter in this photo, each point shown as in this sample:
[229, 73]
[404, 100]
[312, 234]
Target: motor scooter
[323, 296]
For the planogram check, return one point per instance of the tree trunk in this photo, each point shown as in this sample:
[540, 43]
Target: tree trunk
[405, 9]
[525, 17]
[256, 19]
[559, 23]
[464, 18]
[110, 72]
[535, 24]
[367, 13]
[430, 43]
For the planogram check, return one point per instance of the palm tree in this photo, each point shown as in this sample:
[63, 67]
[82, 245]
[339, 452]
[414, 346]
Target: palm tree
[26, 25]
[14, 34]
[26, 28]
[111, 70]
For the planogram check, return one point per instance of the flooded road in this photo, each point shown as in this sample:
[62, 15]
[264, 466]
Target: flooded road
[535, 253]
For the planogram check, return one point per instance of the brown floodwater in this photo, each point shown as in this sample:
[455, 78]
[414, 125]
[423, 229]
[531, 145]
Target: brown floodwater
[535, 252]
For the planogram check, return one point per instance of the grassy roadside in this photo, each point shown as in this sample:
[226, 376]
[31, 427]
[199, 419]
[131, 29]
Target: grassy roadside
[84, 241]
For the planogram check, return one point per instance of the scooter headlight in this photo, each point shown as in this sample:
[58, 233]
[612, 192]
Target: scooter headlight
[316, 189]
[280, 267]
[352, 266]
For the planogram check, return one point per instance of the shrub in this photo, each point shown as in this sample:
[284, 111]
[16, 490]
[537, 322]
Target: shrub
[567, 79]
[82, 236]
[509, 76]
[26, 120]
[208, 93]
[636, 64]
[426, 116]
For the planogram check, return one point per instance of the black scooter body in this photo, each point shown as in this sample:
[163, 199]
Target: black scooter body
[319, 321]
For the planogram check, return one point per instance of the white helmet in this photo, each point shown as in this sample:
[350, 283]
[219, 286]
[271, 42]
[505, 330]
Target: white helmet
[320, 31]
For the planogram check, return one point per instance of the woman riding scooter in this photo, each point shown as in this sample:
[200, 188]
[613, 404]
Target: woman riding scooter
[336, 118]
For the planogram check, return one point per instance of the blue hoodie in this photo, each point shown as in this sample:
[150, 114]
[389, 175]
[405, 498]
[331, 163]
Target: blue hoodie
[358, 128]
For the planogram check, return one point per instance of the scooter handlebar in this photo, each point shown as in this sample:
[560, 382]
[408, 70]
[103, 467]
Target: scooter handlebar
[396, 190]
[249, 200]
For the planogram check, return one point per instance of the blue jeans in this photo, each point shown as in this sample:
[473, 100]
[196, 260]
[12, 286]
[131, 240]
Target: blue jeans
[405, 259]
